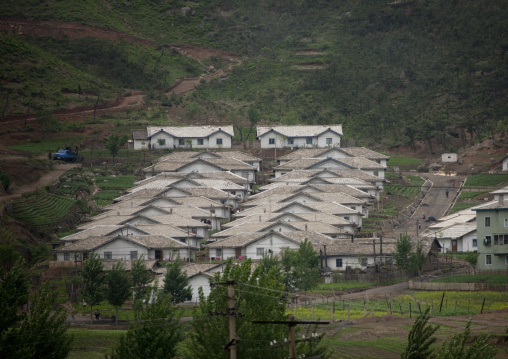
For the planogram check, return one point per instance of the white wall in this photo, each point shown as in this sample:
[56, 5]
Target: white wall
[121, 249]
[200, 167]
[321, 140]
[197, 281]
[226, 140]
[170, 140]
[449, 157]
[273, 242]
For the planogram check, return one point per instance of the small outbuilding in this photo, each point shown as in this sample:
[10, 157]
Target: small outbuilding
[449, 158]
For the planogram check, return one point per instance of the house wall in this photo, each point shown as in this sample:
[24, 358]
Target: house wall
[505, 165]
[226, 140]
[121, 250]
[141, 144]
[449, 157]
[498, 253]
[169, 141]
[273, 243]
[200, 167]
[352, 261]
[199, 281]
[321, 140]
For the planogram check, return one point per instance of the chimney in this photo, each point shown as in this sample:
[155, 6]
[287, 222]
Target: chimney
[380, 246]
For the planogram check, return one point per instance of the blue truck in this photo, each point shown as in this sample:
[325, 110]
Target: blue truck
[67, 155]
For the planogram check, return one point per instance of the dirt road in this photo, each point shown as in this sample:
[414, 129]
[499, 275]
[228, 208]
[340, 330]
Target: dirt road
[58, 170]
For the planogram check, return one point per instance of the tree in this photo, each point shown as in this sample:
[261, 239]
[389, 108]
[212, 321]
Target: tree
[155, 336]
[254, 116]
[119, 286]
[258, 299]
[140, 280]
[114, 143]
[176, 283]
[93, 281]
[301, 267]
[402, 254]
[456, 348]
[14, 286]
[42, 332]
[420, 338]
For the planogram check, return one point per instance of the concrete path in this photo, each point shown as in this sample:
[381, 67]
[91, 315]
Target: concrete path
[435, 204]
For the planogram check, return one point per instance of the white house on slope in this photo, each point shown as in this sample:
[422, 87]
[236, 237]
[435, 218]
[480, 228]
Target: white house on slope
[299, 136]
[172, 137]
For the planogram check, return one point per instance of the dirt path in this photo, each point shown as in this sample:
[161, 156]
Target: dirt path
[50, 177]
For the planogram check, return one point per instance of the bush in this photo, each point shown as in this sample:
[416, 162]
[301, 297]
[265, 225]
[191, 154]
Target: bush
[5, 180]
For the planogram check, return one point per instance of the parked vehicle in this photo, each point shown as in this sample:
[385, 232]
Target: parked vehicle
[67, 155]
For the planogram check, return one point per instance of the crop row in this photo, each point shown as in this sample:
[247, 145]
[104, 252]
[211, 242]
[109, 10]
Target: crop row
[43, 210]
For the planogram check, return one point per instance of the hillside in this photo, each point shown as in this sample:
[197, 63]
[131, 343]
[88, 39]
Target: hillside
[393, 73]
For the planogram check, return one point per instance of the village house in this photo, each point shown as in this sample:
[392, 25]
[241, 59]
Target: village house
[492, 231]
[127, 247]
[456, 238]
[299, 136]
[336, 152]
[237, 155]
[504, 163]
[185, 137]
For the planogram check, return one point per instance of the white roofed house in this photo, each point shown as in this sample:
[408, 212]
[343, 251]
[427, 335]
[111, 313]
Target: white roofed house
[171, 137]
[347, 163]
[237, 155]
[299, 136]
[456, 238]
[336, 152]
[126, 247]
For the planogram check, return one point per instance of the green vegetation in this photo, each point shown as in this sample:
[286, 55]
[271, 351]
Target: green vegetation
[403, 161]
[402, 190]
[93, 343]
[42, 209]
[471, 194]
[415, 180]
[39, 146]
[486, 180]
[459, 206]
[497, 279]
[120, 182]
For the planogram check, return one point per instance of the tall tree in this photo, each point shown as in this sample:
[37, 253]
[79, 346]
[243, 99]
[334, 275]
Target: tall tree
[140, 280]
[119, 286]
[42, 332]
[301, 267]
[14, 287]
[114, 143]
[155, 336]
[420, 338]
[176, 283]
[93, 281]
[402, 254]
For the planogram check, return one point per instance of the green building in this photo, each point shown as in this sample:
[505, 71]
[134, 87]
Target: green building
[492, 232]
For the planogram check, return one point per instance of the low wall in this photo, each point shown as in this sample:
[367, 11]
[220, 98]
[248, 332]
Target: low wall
[445, 286]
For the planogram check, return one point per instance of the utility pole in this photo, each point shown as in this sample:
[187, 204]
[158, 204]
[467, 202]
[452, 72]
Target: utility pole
[232, 324]
[292, 323]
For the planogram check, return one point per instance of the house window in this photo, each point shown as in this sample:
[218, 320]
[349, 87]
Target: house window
[308, 140]
[488, 259]
[506, 222]
[475, 242]
[108, 255]
[271, 141]
[219, 141]
[487, 221]
[218, 252]
[194, 230]
[329, 141]
[200, 142]
[181, 142]
[338, 263]
[364, 261]
[346, 218]
[487, 241]
[67, 256]
[134, 255]
[161, 141]
[376, 173]
[291, 141]
[260, 251]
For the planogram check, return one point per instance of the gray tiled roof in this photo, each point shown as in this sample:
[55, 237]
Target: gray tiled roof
[455, 231]
[358, 174]
[298, 131]
[139, 134]
[190, 131]
[303, 217]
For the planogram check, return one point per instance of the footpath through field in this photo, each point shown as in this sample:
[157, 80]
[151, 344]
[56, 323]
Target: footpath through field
[435, 204]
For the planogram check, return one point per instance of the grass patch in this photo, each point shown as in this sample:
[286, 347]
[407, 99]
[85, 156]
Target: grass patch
[405, 191]
[471, 194]
[486, 180]
[342, 287]
[93, 343]
[403, 161]
[497, 279]
[115, 182]
[459, 206]
[39, 146]
[415, 180]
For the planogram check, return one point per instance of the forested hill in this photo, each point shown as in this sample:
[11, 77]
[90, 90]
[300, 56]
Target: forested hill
[390, 72]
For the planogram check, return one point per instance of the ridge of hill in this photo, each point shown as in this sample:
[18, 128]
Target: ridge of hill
[392, 73]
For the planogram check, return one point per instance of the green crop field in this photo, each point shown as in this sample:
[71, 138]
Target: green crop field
[498, 279]
[45, 145]
[401, 190]
[486, 180]
[42, 209]
[115, 182]
[471, 194]
[403, 161]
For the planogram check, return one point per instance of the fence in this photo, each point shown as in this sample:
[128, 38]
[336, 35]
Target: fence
[416, 285]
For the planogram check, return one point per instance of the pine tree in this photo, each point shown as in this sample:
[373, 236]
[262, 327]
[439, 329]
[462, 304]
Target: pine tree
[420, 338]
[176, 283]
[119, 286]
